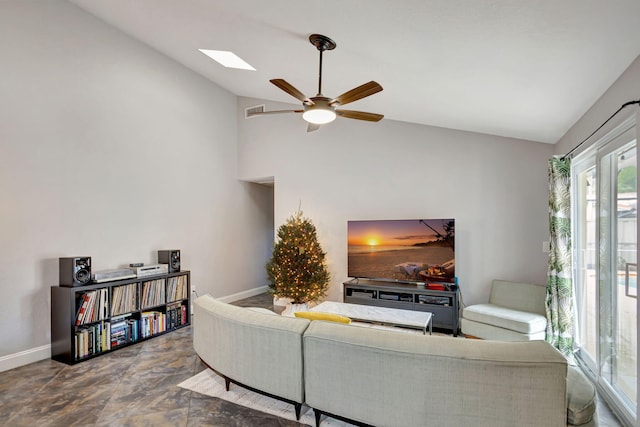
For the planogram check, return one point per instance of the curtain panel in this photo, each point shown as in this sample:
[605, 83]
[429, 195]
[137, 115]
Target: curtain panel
[559, 304]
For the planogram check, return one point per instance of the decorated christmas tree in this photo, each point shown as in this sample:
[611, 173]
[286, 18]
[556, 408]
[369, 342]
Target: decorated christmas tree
[297, 268]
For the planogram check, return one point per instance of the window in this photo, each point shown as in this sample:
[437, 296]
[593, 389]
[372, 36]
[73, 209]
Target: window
[605, 258]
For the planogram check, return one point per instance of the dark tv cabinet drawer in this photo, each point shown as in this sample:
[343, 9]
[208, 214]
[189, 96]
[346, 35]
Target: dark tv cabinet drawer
[443, 304]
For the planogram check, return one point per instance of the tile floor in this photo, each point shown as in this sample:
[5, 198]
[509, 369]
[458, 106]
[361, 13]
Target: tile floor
[134, 386]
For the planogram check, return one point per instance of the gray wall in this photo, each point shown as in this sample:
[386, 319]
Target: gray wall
[495, 188]
[110, 149]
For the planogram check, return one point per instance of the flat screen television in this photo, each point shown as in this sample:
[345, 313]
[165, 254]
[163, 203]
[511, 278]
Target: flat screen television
[407, 250]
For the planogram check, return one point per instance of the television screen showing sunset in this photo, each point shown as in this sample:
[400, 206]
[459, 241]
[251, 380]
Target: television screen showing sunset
[412, 250]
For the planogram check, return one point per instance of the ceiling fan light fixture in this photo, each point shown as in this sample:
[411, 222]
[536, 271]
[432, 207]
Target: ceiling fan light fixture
[319, 115]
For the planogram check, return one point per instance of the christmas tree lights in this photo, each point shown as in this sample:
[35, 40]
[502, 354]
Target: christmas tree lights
[297, 267]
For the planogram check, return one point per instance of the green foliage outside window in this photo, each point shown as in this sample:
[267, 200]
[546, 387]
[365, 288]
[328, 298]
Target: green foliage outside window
[627, 180]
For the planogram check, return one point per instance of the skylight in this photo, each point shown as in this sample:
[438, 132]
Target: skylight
[227, 59]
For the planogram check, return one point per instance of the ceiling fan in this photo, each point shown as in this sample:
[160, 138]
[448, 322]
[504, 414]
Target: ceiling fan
[319, 109]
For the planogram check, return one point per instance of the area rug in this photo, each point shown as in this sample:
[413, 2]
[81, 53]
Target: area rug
[210, 384]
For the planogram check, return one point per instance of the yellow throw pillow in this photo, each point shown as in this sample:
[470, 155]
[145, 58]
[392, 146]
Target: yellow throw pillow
[316, 315]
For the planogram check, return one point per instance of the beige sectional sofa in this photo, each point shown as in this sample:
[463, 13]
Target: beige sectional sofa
[384, 378]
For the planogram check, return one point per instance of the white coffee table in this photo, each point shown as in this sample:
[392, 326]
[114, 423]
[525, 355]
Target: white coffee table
[388, 316]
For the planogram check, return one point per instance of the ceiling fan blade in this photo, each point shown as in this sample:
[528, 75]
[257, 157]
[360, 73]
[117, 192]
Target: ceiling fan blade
[262, 113]
[360, 115]
[311, 127]
[287, 87]
[357, 93]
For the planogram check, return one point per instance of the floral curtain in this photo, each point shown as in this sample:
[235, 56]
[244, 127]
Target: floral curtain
[559, 278]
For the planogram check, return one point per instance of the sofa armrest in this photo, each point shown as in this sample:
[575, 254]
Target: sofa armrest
[245, 345]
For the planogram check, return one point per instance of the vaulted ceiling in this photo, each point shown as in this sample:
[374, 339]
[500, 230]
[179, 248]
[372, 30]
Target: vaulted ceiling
[522, 69]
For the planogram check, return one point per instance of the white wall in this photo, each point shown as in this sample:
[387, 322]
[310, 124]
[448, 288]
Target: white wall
[495, 188]
[110, 149]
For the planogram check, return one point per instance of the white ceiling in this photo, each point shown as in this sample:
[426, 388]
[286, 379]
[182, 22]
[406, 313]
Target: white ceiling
[516, 68]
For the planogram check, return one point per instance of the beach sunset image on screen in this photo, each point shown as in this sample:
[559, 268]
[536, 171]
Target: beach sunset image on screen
[417, 250]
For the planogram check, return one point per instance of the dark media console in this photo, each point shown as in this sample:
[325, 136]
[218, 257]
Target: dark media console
[443, 304]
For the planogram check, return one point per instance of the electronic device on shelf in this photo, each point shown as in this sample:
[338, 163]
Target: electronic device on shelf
[75, 271]
[151, 270]
[362, 293]
[170, 257]
[114, 274]
[390, 297]
[431, 299]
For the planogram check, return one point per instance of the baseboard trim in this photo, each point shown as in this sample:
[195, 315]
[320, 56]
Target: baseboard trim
[25, 357]
[244, 294]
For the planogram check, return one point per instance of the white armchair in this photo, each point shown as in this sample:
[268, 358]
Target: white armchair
[515, 312]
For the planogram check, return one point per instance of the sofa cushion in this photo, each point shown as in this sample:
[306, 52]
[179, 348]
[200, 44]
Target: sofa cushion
[318, 315]
[581, 397]
[520, 321]
[490, 332]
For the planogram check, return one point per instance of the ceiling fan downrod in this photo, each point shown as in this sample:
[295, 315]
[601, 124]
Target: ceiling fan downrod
[322, 43]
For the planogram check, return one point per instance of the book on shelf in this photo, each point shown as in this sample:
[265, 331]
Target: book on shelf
[88, 314]
[84, 300]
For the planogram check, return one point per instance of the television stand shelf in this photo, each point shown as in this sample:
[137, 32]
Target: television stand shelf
[443, 304]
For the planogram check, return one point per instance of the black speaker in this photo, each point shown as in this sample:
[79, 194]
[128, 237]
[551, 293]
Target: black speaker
[75, 271]
[171, 257]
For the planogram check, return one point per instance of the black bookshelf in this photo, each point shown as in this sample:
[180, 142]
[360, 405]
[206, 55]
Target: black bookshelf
[122, 313]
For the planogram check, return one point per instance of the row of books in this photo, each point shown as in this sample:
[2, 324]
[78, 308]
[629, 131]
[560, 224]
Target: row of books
[153, 293]
[176, 316]
[92, 339]
[124, 329]
[93, 306]
[124, 299]
[152, 322]
[177, 288]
